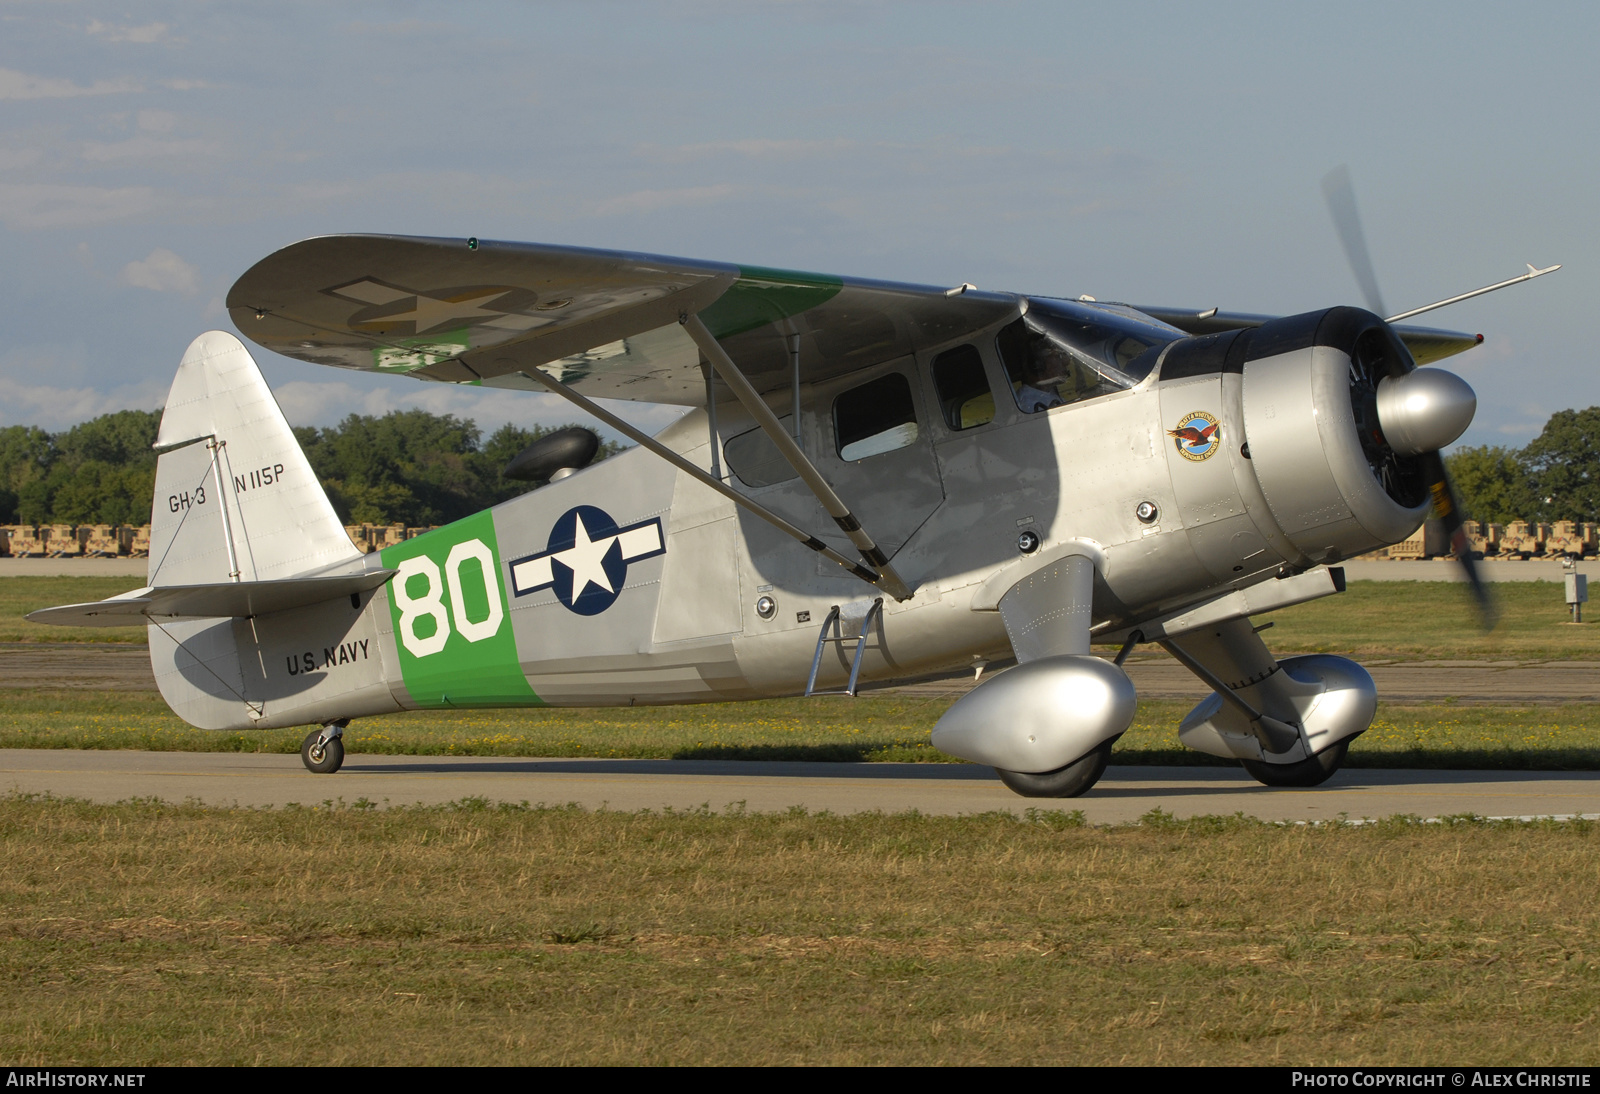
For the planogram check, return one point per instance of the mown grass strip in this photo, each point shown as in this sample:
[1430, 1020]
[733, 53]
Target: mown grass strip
[146, 933]
[1419, 735]
[1431, 620]
[21, 595]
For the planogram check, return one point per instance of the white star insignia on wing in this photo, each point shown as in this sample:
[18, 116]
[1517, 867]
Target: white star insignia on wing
[429, 312]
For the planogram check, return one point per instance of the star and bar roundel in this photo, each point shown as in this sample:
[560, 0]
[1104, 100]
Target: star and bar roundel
[586, 560]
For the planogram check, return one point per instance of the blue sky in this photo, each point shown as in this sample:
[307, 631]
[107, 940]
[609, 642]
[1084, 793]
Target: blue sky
[1154, 153]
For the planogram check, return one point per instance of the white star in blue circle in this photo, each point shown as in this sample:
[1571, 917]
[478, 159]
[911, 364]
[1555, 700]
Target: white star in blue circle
[586, 559]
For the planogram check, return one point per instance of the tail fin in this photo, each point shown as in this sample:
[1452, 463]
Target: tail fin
[235, 497]
[248, 565]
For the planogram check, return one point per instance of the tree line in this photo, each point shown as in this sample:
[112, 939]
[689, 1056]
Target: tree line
[1556, 477]
[406, 467]
[416, 468]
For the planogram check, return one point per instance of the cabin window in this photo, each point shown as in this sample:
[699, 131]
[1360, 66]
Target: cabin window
[755, 459]
[877, 417]
[963, 387]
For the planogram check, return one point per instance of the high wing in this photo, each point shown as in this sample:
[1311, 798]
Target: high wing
[606, 323]
[1427, 344]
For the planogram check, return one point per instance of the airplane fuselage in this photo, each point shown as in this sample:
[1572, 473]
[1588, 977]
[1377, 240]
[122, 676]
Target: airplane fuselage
[629, 582]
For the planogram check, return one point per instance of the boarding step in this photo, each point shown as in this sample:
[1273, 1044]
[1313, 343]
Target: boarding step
[838, 636]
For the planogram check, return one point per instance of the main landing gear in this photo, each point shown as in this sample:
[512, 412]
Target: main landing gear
[323, 749]
[1064, 782]
[1314, 771]
[1289, 723]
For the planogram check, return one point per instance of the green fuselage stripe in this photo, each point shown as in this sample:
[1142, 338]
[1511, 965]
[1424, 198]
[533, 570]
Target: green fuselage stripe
[477, 663]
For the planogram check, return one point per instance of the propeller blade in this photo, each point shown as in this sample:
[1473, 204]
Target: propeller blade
[1447, 508]
[1341, 195]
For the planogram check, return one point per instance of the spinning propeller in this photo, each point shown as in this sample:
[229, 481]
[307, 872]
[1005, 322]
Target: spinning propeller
[1422, 411]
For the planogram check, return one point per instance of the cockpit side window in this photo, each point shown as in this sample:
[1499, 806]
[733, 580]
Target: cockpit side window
[963, 388]
[879, 416]
[1043, 374]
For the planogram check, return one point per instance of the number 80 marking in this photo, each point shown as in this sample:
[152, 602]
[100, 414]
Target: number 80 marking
[431, 603]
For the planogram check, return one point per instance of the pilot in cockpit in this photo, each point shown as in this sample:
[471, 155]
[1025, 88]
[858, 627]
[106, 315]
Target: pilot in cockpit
[1041, 379]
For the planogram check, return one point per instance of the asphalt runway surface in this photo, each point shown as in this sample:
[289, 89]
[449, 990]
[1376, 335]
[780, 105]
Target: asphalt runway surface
[1125, 794]
[1155, 676]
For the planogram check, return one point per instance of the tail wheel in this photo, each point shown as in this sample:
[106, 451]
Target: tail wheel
[1064, 782]
[1313, 772]
[322, 758]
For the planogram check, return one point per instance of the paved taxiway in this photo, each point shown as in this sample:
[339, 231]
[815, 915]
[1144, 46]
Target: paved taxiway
[1155, 676]
[1125, 794]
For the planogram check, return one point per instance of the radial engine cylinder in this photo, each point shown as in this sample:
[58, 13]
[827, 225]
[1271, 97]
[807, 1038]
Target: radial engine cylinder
[1039, 716]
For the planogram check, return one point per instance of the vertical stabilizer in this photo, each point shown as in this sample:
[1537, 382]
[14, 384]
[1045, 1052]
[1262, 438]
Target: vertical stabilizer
[235, 497]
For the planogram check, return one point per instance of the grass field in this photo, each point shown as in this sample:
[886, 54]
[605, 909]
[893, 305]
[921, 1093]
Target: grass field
[146, 934]
[1434, 735]
[1407, 620]
[143, 934]
[21, 595]
[1428, 620]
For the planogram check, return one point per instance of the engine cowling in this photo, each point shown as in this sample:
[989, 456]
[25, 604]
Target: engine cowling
[1311, 385]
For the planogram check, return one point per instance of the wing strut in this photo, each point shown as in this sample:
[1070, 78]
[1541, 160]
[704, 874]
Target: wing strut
[644, 440]
[887, 580]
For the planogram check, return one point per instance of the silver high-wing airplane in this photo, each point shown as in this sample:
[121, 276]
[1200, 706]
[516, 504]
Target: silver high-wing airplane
[875, 481]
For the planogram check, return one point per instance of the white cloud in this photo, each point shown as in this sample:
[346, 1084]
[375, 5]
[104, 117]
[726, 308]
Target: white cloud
[409, 28]
[19, 85]
[649, 201]
[12, 158]
[25, 207]
[148, 148]
[162, 271]
[754, 149]
[157, 121]
[150, 32]
[57, 408]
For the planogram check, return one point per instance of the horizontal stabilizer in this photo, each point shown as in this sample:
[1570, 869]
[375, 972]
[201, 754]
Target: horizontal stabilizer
[231, 598]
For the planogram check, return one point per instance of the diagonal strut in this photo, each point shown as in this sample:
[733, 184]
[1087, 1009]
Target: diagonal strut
[888, 579]
[645, 441]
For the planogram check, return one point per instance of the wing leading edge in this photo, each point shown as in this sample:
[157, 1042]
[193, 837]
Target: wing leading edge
[603, 322]
[606, 322]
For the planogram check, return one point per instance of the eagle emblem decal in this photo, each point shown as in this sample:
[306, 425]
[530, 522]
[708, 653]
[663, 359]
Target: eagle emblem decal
[1196, 436]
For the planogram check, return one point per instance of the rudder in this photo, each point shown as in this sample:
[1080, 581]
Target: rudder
[235, 497]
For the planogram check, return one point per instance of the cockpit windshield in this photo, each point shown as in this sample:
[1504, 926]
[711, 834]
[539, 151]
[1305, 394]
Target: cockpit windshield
[1063, 351]
[1111, 339]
